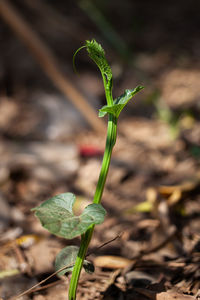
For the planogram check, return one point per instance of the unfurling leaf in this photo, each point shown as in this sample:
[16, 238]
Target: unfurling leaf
[119, 103]
[97, 54]
[56, 215]
[67, 257]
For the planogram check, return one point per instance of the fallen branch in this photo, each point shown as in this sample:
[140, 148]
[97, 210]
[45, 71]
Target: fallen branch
[48, 63]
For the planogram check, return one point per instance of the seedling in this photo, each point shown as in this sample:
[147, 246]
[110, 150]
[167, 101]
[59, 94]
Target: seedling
[56, 214]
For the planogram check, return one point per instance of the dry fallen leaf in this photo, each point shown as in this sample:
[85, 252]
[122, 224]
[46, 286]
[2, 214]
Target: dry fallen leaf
[173, 296]
[169, 295]
[112, 262]
[185, 186]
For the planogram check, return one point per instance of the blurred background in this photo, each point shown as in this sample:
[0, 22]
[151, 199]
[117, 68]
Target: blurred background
[51, 139]
[151, 43]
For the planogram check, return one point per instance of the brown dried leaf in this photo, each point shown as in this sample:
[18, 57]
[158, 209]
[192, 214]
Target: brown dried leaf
[169, 295]
[186, 186]
[112, 262]
[173, 296]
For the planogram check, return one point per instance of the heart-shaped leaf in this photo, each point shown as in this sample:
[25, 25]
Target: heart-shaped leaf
[67, 257]
[119, 103]
[56, 215]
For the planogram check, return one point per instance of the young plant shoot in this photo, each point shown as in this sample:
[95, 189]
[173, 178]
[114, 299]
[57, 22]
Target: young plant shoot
[56, 214]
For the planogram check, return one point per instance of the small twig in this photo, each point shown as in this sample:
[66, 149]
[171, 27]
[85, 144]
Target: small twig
[106, 243]
[159, 246]
[23, 266]
[48, 63]
[45, 286]
[162, 243]
[151, 250]
[41, 282]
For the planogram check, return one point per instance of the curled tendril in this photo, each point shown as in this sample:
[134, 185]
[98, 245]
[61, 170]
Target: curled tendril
[97, 54]
[74, 56]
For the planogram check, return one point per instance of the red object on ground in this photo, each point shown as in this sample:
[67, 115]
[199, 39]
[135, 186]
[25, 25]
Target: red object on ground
[89, 151]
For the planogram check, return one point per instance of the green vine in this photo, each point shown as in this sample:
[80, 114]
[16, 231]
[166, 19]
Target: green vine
[56, 214]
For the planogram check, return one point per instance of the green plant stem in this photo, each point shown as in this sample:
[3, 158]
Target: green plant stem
[85, 239]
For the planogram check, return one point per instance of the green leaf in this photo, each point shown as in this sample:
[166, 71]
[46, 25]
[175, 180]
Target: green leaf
[119, 103]
[67, 257]
[56, 215]
[97, 54]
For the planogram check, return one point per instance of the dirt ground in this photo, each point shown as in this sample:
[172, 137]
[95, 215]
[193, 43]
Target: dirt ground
[149, 244]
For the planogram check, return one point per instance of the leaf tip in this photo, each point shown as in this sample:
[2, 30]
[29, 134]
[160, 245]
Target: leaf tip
[140, 87]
